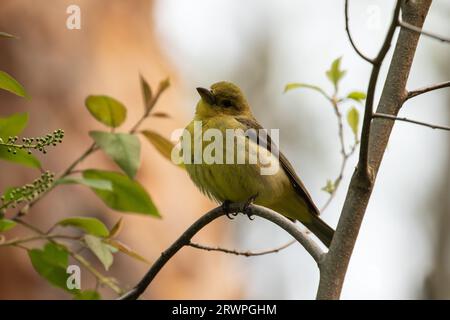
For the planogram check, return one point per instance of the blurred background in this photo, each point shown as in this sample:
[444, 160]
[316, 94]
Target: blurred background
[403, 251]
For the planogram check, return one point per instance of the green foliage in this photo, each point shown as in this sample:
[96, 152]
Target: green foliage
[100, 249]
[353, 120]
[51, 263]
[116, 229]
[127, 195]
[11, 127]
[297, 85]
[28, 192]
[123, 148]
[358, 96]
[87, 295]
[330, 187]
[10, 84]
[335, 73]
[94, 183]
[89, 225]
[107, 110]
[163, 145]
[146, 94]
[6, 224]
[126, 250]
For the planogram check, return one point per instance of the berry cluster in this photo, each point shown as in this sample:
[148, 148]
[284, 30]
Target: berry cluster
[39, 143]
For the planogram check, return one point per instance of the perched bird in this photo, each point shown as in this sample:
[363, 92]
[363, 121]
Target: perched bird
[224, 107]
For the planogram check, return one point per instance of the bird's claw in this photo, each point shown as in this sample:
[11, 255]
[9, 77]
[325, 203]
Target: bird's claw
[226, 208]
[246, 209]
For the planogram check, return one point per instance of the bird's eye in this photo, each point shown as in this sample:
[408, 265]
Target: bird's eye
[227, 103]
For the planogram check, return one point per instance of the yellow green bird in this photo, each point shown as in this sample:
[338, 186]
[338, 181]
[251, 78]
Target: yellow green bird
[224, 107]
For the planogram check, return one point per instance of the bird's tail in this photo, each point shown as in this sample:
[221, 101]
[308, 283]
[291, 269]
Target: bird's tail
[320, 229]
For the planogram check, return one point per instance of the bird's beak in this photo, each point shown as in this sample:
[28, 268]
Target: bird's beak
[206, 95]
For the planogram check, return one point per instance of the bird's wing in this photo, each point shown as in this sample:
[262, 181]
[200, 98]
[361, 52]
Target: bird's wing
[297, 184]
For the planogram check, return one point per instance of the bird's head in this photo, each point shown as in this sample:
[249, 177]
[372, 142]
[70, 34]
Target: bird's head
[223, 98]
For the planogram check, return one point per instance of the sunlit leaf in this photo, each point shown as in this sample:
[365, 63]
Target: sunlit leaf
[357, 96]
[163, 145]
[6, 224]
[127, 195]
[115, 230]
[10, 84]
[123, 148]
[353, 119]
[125, 249]
[7, 35]
[87, 224]
[146, 94]
[100, 250]
[94, 183]
[329, 187]
[21, 157]
[107, 110]
[51, 263]
[335, 73]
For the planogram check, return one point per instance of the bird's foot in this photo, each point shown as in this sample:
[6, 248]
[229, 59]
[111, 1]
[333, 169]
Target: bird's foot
[226, 208]
[246, 209]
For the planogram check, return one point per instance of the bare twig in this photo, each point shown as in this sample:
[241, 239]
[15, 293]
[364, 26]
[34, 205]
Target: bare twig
[414, 93]
[13, 242]
[365, 133]
[347, 29]
[242, 253]
[423, 32]
[335, 263]
[391, 117]
[185, 239]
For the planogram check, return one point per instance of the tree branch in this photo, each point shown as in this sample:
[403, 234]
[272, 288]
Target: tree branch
[391, 117]
[417, 92]
[347, 29]
[425, 33]
[365, 132]
[185, 239]
[335, 263]
[242, 253]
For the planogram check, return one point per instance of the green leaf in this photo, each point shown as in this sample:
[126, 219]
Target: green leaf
[297, 85]
[115, 229]
[107, 110]
[127, 195]
[353, 119]
[6, 224]
[123, 148]
[94, 183]
[21, 157]
[127, 250]
[10, 84]
[51, 263]
[335, 73]
[357, 96]
[87, 295]
[89, 225]
[329, 187]
[7, 35]
[146, 94]
[163, 145]
[100, 249]
[13, 125]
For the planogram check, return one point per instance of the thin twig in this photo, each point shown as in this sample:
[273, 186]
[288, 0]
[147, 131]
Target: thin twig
[417, 92]
[185, 239]
[365, 132]
[423, 32]
[13, 242]
[347, 29]
[391, 117]
[241, 253]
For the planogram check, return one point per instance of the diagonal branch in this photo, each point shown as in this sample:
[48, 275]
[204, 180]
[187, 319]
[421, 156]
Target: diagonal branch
[365, 132]
[417, 92]
[391, 117]
[347, 29]
[185, 239]
[425, 33]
